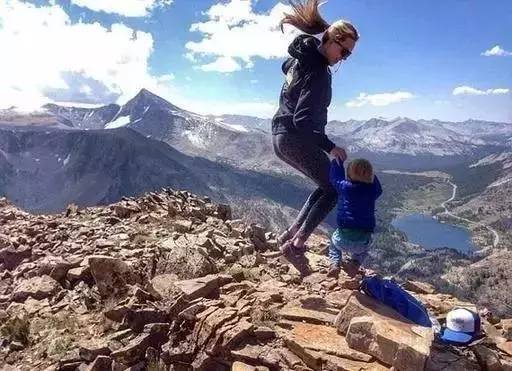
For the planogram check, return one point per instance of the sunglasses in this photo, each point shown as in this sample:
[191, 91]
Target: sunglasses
[345, 53]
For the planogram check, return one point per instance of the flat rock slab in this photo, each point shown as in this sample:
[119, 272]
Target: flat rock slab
[305, 336]
[308, 315]
[199, 287]
[36, 287]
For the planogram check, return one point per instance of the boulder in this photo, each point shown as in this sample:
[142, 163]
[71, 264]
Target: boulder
[12, 257]
[207, 286]
[360, 305]
[393, 342]
[185, 259]
[111, 275]
[506, 324]
[36, 287]
[487, 358]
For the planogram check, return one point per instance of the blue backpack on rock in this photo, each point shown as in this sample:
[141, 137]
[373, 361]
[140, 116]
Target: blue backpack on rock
[393, 295]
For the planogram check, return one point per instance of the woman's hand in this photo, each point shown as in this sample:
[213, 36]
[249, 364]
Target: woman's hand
[339, 154]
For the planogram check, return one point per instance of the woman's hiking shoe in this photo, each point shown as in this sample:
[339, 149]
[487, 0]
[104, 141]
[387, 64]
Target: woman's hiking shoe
[284, 237]
[289, 249]
[334, 271]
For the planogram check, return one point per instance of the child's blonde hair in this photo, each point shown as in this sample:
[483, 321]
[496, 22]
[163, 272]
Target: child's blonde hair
[360, 170]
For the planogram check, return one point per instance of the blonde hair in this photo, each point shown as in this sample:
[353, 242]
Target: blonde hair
[360, 170]
[306, 17]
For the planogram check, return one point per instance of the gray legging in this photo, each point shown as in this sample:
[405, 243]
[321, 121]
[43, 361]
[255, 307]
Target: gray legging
[312, 161]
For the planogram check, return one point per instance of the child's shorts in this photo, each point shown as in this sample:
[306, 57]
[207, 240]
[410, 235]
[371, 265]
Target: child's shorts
[358, 250]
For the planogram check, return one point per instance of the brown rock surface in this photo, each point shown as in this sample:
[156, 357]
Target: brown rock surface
[168, 279]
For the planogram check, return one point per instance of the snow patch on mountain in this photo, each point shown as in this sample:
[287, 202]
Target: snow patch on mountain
[118, 123]
[236, 127]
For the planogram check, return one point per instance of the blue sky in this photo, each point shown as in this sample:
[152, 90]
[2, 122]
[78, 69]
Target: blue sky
[449, 60]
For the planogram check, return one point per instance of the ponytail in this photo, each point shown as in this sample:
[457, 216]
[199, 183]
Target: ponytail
[306, 17]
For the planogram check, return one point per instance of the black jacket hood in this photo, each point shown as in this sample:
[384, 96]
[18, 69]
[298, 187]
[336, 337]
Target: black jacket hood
[305, 49]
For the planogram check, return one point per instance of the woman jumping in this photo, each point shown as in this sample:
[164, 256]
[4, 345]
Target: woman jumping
[298, 127]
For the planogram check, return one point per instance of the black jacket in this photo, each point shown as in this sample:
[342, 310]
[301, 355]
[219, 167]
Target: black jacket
[306, 93]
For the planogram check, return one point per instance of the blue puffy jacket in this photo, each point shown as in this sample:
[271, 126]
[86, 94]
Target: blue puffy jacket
[356, 200]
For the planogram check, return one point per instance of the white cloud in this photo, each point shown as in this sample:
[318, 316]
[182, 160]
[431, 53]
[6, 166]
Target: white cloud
[126, 8]
[254, 81]
[381, 99]
[166, 78]
[468, 90]
[496, 51]
[235, 31]
[46, 57]
[222, 64]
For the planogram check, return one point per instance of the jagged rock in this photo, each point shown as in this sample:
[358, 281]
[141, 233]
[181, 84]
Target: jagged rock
[154, 335]
[251, 261]
[395, 343]
[312, 316]
[264, 333]
[163, 285]
[55, 267]
[15, 346]
[182, 226]
[237, 334]
[119, 335]
[487, 358]
[101, 363]
[338, 299]
[200, 287]
[419, 287]
[506, 324]
[78, 274]
[35, 287]
[207, 327]
[441, 358]
[506, 347]
[184, 259]
[442, 303]
[124, 211]
[138, 319]
[91, 349]
[12, 257]
[110, 274]
[251, 353]
[506, 364]
[223, 212]
[257, 236]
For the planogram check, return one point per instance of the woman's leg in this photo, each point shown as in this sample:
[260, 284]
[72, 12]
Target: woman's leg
[314, 163]
[311, 200]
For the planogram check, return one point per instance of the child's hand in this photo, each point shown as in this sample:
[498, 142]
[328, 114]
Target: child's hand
[339, 154]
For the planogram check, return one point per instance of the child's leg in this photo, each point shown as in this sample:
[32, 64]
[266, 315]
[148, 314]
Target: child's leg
[359, 252]
[334, 254]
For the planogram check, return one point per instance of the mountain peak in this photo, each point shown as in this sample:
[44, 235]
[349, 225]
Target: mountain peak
[147, 98]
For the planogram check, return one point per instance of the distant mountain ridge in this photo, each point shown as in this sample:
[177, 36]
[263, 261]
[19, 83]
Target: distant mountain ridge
[244, 141]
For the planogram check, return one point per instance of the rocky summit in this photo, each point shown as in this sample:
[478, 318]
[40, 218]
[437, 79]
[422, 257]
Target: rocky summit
[169, 281]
